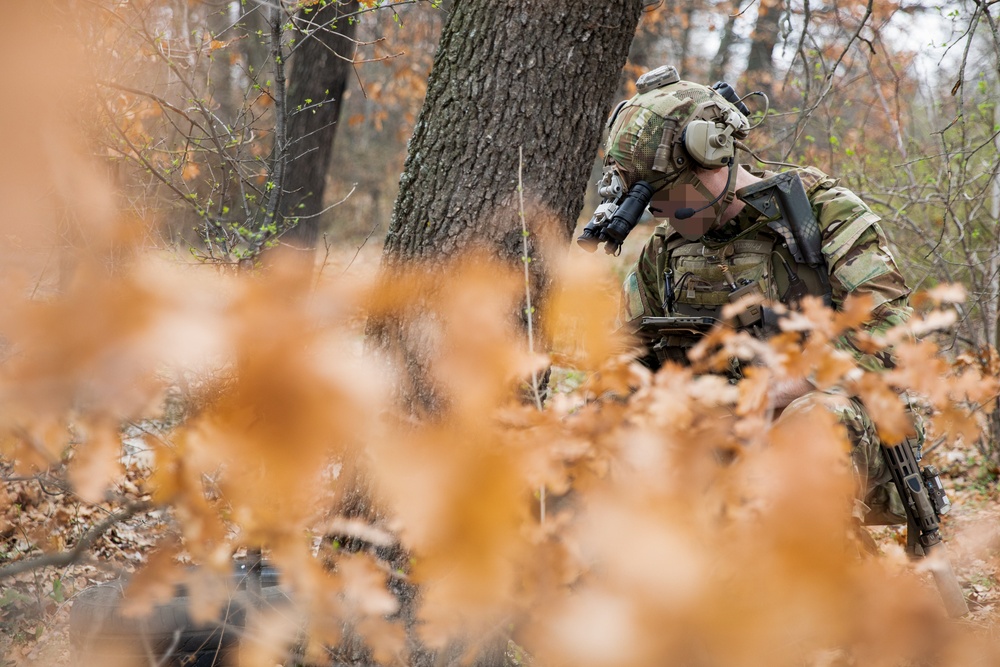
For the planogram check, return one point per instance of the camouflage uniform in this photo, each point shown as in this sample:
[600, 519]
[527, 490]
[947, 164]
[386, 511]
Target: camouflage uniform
[854, 246]
[644, 144]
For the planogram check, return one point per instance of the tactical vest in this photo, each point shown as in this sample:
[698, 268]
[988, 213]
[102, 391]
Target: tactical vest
[706, 275]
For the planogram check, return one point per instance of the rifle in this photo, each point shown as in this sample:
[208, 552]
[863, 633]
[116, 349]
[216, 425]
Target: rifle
[920, 489]
[925, 502]
[676, 324]
[662, 332]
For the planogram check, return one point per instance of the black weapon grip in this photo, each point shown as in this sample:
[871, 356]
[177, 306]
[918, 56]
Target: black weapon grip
[784, 198]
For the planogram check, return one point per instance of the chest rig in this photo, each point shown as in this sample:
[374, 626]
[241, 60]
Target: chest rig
[708, 276]
[772, 252]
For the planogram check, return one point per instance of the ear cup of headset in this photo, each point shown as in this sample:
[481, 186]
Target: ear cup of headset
[709, 144]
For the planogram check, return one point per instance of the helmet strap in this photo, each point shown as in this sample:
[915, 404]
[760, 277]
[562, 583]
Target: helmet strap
[723, 203]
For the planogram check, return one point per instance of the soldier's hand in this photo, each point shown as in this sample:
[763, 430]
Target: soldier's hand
[784, 391]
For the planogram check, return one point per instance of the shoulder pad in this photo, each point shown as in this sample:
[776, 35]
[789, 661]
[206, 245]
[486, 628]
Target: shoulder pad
[814, 179]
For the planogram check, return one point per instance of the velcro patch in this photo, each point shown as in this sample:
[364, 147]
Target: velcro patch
[863, 269]
[846, 236]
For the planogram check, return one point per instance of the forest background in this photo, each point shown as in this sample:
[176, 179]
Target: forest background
[185, 373]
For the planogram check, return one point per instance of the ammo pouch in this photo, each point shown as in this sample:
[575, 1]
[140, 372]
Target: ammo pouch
[707, 279]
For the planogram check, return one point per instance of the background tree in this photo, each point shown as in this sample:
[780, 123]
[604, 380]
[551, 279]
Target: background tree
[727, 42]
[508, 77]
[322, 62]
[222, 117]
[759, 73]
[381, 107]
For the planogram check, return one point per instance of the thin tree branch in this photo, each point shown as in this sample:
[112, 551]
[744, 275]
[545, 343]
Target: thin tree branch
[86, 541]
[277, 176]
[828, 83]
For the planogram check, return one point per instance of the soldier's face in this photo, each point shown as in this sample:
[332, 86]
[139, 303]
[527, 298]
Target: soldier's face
[668, 202]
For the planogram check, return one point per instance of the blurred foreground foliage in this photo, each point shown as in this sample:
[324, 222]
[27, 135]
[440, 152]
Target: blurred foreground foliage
[681, 522]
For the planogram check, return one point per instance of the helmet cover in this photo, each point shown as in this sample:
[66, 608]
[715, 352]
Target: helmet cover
[646, 139]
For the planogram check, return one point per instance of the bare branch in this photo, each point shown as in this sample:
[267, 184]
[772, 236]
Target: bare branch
[85, 542]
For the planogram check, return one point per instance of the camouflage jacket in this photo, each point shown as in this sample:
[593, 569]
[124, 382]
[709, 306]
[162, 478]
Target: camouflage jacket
[747, 252]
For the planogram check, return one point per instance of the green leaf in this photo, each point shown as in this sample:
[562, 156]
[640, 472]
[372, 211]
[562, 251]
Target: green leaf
[58, 593]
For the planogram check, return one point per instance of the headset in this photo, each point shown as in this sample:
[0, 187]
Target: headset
[711, 144]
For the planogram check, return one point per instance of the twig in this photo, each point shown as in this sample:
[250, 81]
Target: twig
[330, 207]
[45, 267]
[159, 101]
[350, 15]
[528, 310]
[138, 156]
[65, 558]
[828, 84]
[358, 251]
[743, 11]
[526, 260]
[326, 259]
[150, 432]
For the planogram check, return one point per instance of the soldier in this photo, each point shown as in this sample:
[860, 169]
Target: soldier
[674, 145]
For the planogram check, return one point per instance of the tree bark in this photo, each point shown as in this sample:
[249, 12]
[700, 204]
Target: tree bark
[320, 68]
[507, 74]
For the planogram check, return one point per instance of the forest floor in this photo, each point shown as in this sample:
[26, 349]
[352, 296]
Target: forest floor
[38, 515]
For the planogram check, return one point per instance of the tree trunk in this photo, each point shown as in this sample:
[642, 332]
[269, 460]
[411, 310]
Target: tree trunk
[508, 74]
[687, 59]
[321, 66]
[720, 63]
[992, 303]
[759, 74]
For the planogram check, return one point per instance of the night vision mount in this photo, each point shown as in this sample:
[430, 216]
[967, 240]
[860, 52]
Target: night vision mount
[617, 215]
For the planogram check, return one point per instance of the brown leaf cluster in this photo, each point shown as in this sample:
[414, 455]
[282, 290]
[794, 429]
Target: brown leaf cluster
[681, 522]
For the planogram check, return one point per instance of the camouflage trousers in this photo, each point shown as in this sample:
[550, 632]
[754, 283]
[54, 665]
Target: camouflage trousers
[877, 501]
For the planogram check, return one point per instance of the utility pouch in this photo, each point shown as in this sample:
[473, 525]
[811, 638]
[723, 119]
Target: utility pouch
[751, 314]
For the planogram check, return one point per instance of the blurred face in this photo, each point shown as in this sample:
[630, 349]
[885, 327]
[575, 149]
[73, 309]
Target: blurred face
[668, 201]
[711, 182]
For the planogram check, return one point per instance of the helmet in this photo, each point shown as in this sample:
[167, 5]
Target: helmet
[670, 127]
